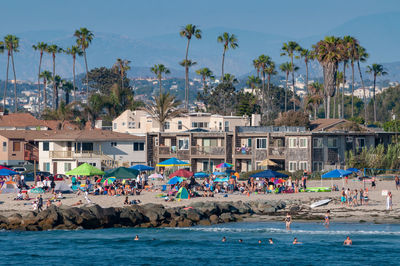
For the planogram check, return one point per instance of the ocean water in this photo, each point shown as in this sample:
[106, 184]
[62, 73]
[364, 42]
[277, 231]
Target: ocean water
[372, 245]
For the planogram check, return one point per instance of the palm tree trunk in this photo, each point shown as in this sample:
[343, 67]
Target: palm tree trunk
[87, 76]
[334, 105]
[363, 87]
[315, 112]
[66, 96]
[15, 84]
[268, 97]
[223, 61]
[344, 83]
[187, 77]
[73, 72]
[286, 89]
[40, 65]
[263, 95]
[5, 85]
[54, 82]
[308, 93]
[352, 89]
[44, 94]
[294, 89]
[373, 93]
[159, 81]
[328, 107]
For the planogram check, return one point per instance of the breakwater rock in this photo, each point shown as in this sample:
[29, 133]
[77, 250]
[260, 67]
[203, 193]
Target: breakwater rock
[147, 215]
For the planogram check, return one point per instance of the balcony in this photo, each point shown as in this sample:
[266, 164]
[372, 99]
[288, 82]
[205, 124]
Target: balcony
[31, 153]
[276, 152]
[75, 155]
[171, 151]
[207, 151]
[243, 152]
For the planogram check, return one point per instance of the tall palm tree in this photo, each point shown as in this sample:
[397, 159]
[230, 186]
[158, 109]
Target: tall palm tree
[307, 56]
[74, 51]
[263, 62]
[352, 48]
[2, 47]
[84, 38]
[159, 70]
[11, 43]
[205, 74]
[187, 64]
[289, 49]
[228, 40]
[53, 50]
[339, 80]
[256, 65]
[287, 68]
[122, 66]
[46, 76]
[41, 47]
[67, 87]
[229, 78]
[328, 53]
[188, 31]
[163, 108]
[57, 82]
[253, 82]
[270, 71]
[316, 96]
[362, 56]
[376, 70]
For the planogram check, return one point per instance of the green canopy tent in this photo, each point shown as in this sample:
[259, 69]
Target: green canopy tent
[85, 170]
[182, 193]
[122, 173]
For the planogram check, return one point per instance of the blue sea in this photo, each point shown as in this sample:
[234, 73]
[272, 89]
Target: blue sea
[373, 244]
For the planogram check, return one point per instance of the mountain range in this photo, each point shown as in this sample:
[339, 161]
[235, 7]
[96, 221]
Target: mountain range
[379, 33]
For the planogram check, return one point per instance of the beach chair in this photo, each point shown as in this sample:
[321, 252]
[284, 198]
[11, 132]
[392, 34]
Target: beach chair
[163, 188]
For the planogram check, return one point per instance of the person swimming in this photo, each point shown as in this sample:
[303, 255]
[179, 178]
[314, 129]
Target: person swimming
[270, 241]
[259, 242]
[295, 242]
[240, 241]
[288, 220]
[136, 238]
[224, 239]
[348, 241]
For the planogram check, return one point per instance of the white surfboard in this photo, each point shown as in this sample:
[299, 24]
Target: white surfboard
[320, 203]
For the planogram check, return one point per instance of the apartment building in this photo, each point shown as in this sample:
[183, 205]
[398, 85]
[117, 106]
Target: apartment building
[18, 147]
[140, 122]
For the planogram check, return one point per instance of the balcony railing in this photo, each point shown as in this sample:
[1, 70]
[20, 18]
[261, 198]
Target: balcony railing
[207, 150]
[276, 151]
[73, 154]
[243, 151]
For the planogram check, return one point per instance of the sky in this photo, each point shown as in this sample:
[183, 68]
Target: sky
[140, 19]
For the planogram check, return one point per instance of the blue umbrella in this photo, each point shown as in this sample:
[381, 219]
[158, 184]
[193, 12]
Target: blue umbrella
[229, 171]
[220, 180]
[338, 173]
[5, 172]
[141, 167]
[175, 180]
[269, 174]
[219, 173]
[354, 170]
[173, 162]
[201, 175]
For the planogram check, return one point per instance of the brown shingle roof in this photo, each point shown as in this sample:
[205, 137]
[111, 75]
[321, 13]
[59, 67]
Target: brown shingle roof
[325, 124]
[19, 120]
[55, 124]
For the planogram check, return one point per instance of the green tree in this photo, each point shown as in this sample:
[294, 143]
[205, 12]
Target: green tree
[67, 87]
[270, 71]
[159, 70]
[307, 56]
[205, 74]
[289, 49]
[163, 108]
[246, 104]
[56, 81]
[41, 47]
[74, 51]
[11, 43]
[46, 76]
[187, 64]
[228, 40]
[122, 66]
[53, 50]
[376, 70]
[352, 48]
[64, 113]
[287, 68]
[253, 82]
[84, 38]
[188, 32]
[293, 118]
[362, 56]
[263, 62]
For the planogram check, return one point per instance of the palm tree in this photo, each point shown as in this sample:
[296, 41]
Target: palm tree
[316, 96]
[41, 47]
[352, 48]
[263, 62]
[256, 65]
[187, 64]
[289, 49]
[64, 113]
[376, 70]
[11, 43]
[83, 39]
[307, 56]
[362, 56]
[123, 67]
[328, 53]
[159, 70]
[163, 108]
[74, 51]
[53, 50]
[229, 78]
[253, 82]
[339, 80]
[205, 74]
[46, 76]
[287, 68]
[67, 87]
[57, 81]
[228, 40]
[270, 70]
[188, 31]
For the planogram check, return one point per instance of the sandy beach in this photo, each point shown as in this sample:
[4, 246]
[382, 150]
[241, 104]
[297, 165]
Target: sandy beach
[374, 212]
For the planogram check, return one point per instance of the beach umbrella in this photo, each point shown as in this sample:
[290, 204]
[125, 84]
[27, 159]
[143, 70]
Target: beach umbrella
[155, 176]
[224, 165]
[122, 173]
[268, 174]
[279, 181]
[6, 172]
[85, 170]
[337, 173]
[3, 167]
[219, 173]
[109, 181]
[181, 173]
[267, 162]
[201, 175]
[141, 167]
[175, 180]
[229, 171]
[221, 180]
[173, 162]
[354, 170]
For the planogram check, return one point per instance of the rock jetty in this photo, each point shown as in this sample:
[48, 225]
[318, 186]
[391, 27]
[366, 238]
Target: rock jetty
[147, 215]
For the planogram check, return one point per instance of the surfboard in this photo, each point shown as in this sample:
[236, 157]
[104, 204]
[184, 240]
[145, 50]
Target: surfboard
[320, 203]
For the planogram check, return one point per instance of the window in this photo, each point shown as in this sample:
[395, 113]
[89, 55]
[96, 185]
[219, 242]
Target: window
[46, 146]
[87, 146]
[332, 142]
[317, 143]
[249, 143]
[183, 144]
[67, 167]
[199, 125]
[226, 125]
[360, 143]
[292, 166]
[292, 142]
[208, 166]
[220, 125]
[138, 146]
[166, 125]
[115, 125]
[4, 146]
[156, 141]
[16, 146]
[261, 143]
[303, 142]
[139, 125]
[46, 167]
[113, 144]
[131, 124]
[303, 165]
[123, 124]
[179, 125]
[317, 166]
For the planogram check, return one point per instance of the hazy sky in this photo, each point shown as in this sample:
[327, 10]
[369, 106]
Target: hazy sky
[139, 19]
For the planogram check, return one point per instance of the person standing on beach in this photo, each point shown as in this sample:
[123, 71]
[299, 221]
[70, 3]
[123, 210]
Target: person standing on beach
[40, 203]
[327, 217]
[343, 197]
[389, 203]
[397, 182]
[373, 182]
